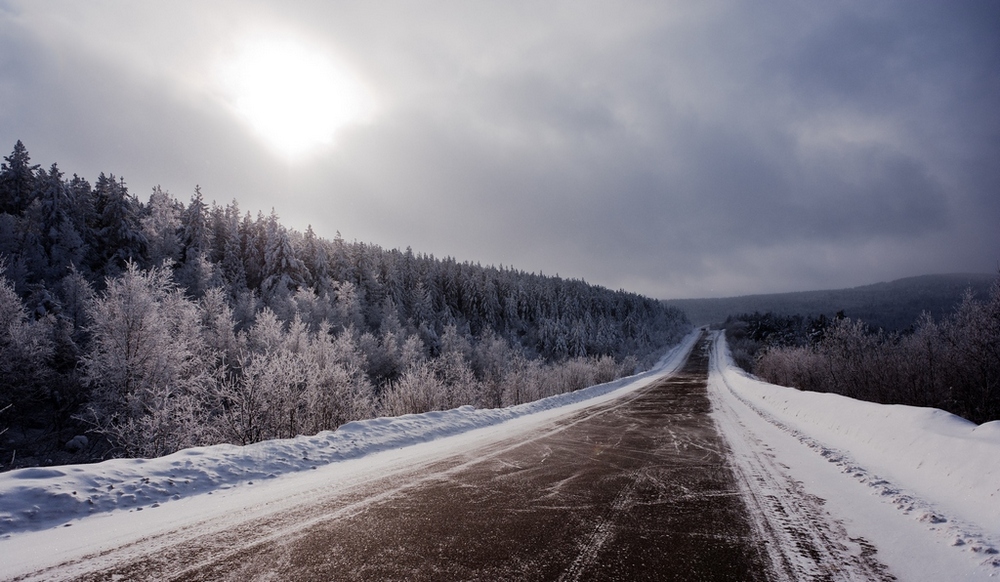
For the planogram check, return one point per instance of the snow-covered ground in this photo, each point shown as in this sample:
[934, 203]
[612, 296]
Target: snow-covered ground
[919, 486]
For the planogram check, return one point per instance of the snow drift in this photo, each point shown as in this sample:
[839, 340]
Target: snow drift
[938, 457]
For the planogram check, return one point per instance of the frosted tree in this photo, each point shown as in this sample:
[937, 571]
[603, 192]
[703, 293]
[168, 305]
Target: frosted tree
[119, 236]
[75, 296]
[233, 269]
[453, 369]
[252, 242]
[25, 348]
[347, 306]
[314, 309]
[146, 365]
[194, 227]
[314, 259]
[422, 304]
[973, 338]
[953, 364]
[418, 390]
[923, 357]
[338, 389]
[491, 362]
[161, 227]
[17, 180]
[59, 237]
[382, 353]
[217, 328]
[522, 381]
[197, 272]
[265, 397]
[267, 334]
[799, 366]
[283, 271]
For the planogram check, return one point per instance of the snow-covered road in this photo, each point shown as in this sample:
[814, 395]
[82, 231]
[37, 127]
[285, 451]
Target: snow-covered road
[839, 489]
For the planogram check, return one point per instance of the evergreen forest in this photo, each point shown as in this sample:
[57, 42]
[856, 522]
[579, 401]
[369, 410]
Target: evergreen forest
[137, 327]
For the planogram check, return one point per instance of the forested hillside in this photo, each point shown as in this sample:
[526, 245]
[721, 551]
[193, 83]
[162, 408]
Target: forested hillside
[134, 327]
[892, 306]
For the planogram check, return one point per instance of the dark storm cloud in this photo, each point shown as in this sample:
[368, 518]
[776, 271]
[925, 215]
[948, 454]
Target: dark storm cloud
[674, 149]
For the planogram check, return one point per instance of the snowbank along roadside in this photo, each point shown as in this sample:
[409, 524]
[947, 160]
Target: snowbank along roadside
[42, 497]
[938, 468]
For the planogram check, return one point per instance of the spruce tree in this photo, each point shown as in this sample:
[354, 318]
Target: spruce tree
[119, 236]
[17, 181]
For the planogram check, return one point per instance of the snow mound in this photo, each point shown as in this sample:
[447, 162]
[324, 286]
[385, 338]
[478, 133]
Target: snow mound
[928, 462]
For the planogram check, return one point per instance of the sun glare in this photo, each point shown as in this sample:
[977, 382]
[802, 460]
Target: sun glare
[294, 97]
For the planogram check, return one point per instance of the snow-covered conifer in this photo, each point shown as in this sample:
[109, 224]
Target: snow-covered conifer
[118, 233]
[17, 180]
[161, 227]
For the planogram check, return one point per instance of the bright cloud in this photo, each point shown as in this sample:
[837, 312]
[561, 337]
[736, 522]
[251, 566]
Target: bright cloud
[295, 97]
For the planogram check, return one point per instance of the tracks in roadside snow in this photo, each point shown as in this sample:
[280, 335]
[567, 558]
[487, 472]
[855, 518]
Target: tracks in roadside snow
[963, 536]
[804, 541]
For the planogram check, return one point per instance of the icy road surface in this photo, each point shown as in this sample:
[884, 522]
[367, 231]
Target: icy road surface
[696, 473]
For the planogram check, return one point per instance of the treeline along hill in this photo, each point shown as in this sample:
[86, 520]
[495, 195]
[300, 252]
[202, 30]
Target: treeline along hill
[139, 327]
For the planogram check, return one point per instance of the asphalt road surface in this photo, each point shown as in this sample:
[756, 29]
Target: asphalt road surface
[638, 489]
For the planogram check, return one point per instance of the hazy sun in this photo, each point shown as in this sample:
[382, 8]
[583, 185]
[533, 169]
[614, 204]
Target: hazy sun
[293, 96]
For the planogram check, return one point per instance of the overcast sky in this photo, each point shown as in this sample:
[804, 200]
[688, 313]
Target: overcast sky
[687, 149]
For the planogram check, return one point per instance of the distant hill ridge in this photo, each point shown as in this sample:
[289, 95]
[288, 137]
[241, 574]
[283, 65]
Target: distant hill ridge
[892, 306]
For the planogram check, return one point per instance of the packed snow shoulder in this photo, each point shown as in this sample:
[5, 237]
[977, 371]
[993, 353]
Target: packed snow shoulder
[937, 470]
[939, 456]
